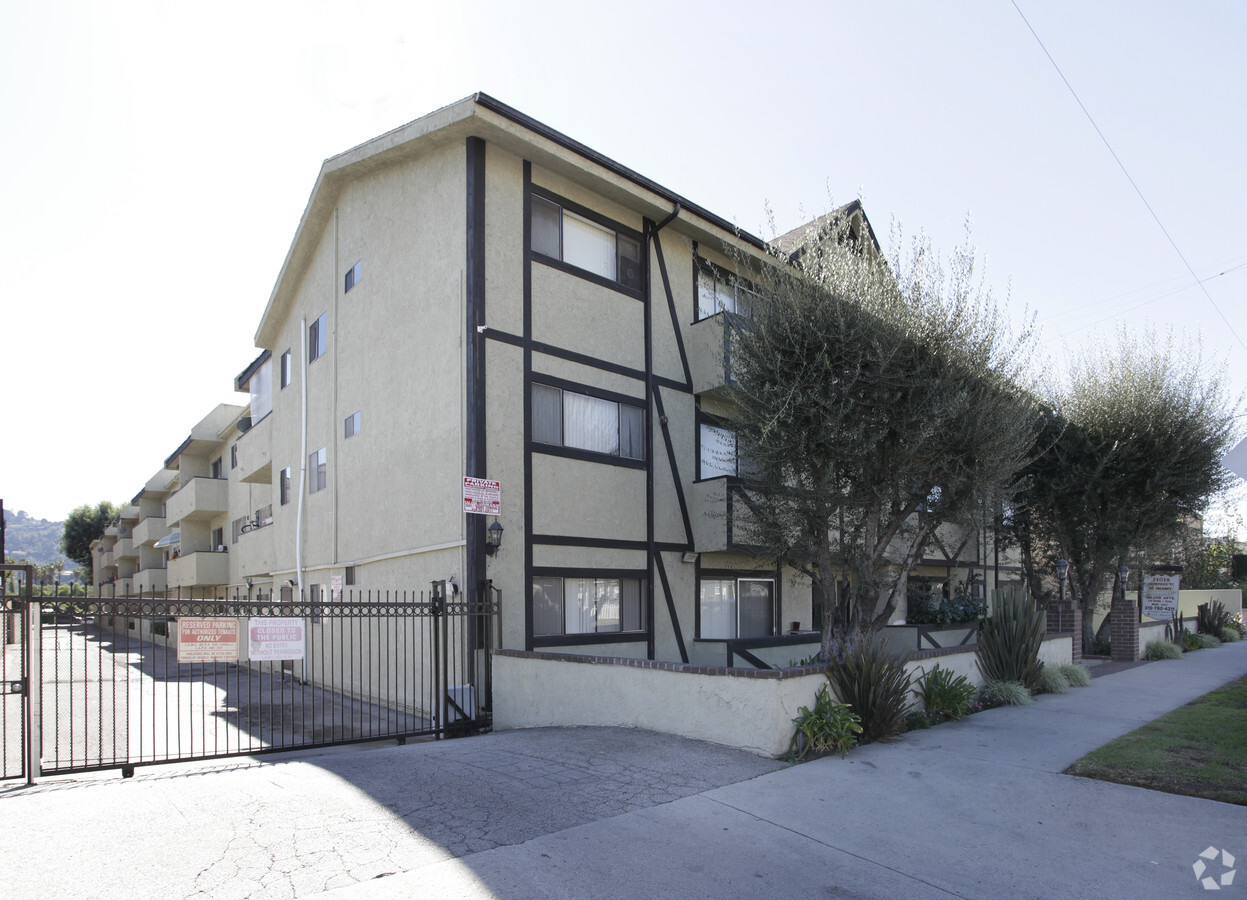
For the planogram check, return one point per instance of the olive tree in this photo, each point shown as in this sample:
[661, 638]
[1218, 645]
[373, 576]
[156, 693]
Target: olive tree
[1127, 455]
[876, 399]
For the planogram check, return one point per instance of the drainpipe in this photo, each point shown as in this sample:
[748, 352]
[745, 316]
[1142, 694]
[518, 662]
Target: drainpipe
[298, 519]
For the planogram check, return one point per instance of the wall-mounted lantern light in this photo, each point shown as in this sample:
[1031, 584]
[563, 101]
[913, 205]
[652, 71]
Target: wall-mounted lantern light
[493, 538]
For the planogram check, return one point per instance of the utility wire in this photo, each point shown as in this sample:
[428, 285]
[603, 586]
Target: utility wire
[1125, 172]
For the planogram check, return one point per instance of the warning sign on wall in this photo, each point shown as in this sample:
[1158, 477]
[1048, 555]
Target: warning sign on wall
[207, 640]
[482, 497]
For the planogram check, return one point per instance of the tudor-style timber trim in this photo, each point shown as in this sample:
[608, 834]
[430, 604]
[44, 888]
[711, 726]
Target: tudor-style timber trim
[475, 434]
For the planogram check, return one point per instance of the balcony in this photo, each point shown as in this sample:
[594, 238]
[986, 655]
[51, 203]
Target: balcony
[254, 553]
[718, 513]
[125, 548]
[255, 453]
[199, 499]
[202, 568]
[147, 581]
[150, 530]
[708, 347]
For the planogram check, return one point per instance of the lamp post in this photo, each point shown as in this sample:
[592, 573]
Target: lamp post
[1062, 569]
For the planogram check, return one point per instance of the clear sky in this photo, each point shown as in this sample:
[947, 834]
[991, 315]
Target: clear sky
[156, 158]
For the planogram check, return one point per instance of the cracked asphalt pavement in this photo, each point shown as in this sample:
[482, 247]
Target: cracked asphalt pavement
[302, 824]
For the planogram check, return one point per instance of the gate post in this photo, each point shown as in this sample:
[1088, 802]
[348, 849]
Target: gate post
[1124, 626]
[440, 667]
[32, 626]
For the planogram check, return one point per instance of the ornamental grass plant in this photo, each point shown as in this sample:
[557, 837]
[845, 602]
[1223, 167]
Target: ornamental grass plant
[1009, 641]
[875, 684]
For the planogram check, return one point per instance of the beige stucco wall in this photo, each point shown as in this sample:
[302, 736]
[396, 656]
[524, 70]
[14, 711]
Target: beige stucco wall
[753, 714]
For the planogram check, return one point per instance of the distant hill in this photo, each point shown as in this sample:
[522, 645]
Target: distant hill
[36, 541]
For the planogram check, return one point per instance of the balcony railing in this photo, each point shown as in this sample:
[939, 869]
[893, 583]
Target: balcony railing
[255, 453]
[150, 530]
[200, 568]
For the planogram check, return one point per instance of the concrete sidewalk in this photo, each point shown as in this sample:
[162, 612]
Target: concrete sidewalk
[974, 809]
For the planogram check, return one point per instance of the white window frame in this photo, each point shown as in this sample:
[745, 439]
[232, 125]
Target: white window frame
[719, 292]
[287, 371]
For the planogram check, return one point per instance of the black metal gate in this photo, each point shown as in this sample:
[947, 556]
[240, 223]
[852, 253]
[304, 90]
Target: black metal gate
[124, 682]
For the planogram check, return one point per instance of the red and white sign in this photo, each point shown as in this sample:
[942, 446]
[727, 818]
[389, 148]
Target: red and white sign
[482, 497]
[207, 640]
[335, 587]
[275, 639]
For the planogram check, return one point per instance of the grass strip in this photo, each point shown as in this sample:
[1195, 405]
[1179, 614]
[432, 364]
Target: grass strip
[1197, 750]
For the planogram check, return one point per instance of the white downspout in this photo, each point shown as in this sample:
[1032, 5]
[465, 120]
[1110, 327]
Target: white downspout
[298, 519]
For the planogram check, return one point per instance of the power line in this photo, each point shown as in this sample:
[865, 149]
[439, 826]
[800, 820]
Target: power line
[1125, 172]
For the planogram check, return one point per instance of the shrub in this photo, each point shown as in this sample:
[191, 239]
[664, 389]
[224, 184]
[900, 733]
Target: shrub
[1009, 641]
[1051, 681]
[828, 727]
[1162, 650]
[1101, 648]
[945, 693]
[1191, 641]
[1005, 693]
[1230, 635]
[1206, 641]
[1076, 675]
[921, 719]
[927, 607]
[875, 684]
[1212, 618]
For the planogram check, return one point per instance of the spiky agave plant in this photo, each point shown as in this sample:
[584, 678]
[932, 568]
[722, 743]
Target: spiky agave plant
[1009, 641]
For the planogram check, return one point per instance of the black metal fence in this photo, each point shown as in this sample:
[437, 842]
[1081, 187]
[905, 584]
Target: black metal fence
[124, 682]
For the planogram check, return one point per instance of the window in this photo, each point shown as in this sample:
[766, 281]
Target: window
[584, 605]
[737, 607]
[233, 456]
[317, 470]
[217, 470]
[717, 453]
[261, 389]
[218, 540]
[353, 423]
[575, 239]
[350, 575]
[717, 292]
[316, 337]
[284, 487]
[285, 370]
[354, 275]
[568, 419]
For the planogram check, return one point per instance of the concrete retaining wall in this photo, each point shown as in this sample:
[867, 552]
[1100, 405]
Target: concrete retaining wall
[750, 709]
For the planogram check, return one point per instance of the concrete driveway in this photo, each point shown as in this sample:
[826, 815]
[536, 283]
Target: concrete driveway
[970, 809]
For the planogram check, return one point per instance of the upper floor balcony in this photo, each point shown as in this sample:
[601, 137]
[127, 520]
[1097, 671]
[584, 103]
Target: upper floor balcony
[150, 580]
[709, 346]
[150, 530]
[255, 453]
[197, 569]
[125, 548]
[719, 515]
[199, 499]
[253, 553]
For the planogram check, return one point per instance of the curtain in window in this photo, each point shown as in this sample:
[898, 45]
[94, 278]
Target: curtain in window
[718, 609]
[631, 431]
[547, 415]
[757, 608]
[718, 452]
[545, 236]
[588, 245]
[579, 605]
[631, 609]
[608, 604]
[590, 423]
[547, 605]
